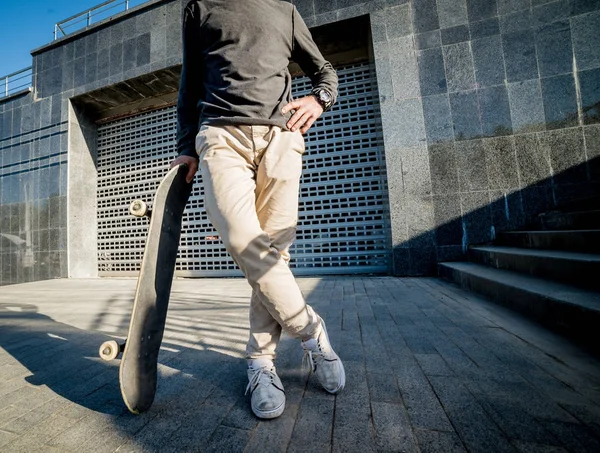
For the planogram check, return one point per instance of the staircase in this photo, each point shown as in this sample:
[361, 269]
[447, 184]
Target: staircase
[550, 272]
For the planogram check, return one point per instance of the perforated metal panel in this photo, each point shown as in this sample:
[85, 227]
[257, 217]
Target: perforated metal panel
[343, 222]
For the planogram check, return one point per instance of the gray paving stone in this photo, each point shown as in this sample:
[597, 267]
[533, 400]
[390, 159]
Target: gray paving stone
[274, 435]
[352, 426]
[240, 417]
[474, 426]
[439, 441]
[313, 428]
[587, 414]
[516, 423]
[23, 423]
[366, 319]
[227, 439]
[509, 357]
[82, 430]
[23, 342]
[73, 411]
[383, 387]
[476, 352]
[552, 387]
[11, 371]
[23, 392]
[44, 401]
[433, 365]
[393, 427]
[350, 321]
[574, 436]
[357, 386]
[152, 436]
[528, 447]
[107, 440]
[418, 340]
[376, 355]
[10, 413]
[429, 368]
[6, 437]
[455, 357]
[521, 395]
[423, 405]
[36, 438]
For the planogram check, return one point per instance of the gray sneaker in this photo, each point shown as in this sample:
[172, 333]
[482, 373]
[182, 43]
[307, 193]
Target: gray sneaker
[320, 357]
[268, 396]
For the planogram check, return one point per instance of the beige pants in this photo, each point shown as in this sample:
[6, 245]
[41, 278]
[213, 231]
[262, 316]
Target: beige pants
[251, 178]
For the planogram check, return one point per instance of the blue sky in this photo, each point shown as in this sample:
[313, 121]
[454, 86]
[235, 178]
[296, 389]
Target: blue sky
[28, 24]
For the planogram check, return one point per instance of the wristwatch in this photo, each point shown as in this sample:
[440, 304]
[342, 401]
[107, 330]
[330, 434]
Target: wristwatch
[323, 97]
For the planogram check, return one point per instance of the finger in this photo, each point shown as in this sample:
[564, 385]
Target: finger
[302, 115]
[190, 175]
[192, 169]
[290, 106]
[305, 118]
[296, 117]
[309, 122]
[307, 125]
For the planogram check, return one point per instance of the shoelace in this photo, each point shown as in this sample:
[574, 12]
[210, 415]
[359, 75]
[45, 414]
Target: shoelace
[256, 378]
[307, 361]
[312, 357]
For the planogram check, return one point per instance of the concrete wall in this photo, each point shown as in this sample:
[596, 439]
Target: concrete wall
[82, 185]
[489, 112]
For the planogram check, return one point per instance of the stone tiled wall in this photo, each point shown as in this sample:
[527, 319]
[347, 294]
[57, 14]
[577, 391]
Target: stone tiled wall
[32, 190]
[489, 111]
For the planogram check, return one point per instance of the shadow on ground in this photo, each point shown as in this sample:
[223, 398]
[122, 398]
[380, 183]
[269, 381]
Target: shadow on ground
[61, 373]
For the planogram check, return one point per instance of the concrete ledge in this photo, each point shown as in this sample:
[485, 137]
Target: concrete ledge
[100, 24]
[570, 220]
[571, 311]
[147, 92]
[16, 94]
[567, 267]
[573, 240]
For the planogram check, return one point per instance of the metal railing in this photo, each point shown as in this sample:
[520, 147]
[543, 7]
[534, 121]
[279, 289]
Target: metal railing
[97, 13]
[15, 82]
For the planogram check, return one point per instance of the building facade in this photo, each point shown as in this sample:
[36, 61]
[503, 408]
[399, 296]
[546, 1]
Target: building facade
[456, 119]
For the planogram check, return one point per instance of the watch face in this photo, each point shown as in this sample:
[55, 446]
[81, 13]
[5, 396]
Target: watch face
[324, 96]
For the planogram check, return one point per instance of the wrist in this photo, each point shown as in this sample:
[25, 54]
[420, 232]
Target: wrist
[323, 97]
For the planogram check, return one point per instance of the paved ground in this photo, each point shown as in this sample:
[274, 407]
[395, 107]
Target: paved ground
[429, 368]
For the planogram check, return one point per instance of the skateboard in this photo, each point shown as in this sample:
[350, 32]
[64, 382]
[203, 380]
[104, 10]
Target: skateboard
[138, 370]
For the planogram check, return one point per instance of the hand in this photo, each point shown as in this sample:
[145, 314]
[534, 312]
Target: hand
[192, 164]
[308, 110]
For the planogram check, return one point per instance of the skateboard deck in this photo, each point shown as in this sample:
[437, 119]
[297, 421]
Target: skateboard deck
[138, 370]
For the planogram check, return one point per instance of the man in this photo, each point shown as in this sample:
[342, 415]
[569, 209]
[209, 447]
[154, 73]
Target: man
[237, 118]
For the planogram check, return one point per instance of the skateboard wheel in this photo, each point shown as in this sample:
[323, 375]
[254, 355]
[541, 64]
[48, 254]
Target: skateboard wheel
[138, 208]
[109, 350]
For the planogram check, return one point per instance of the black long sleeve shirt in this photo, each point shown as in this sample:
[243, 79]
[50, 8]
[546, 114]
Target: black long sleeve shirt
[235, 65]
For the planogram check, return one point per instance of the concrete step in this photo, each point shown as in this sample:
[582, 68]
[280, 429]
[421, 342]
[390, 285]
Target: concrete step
[570, 240]
[572, 311]
[581, 269]
[578, 220]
